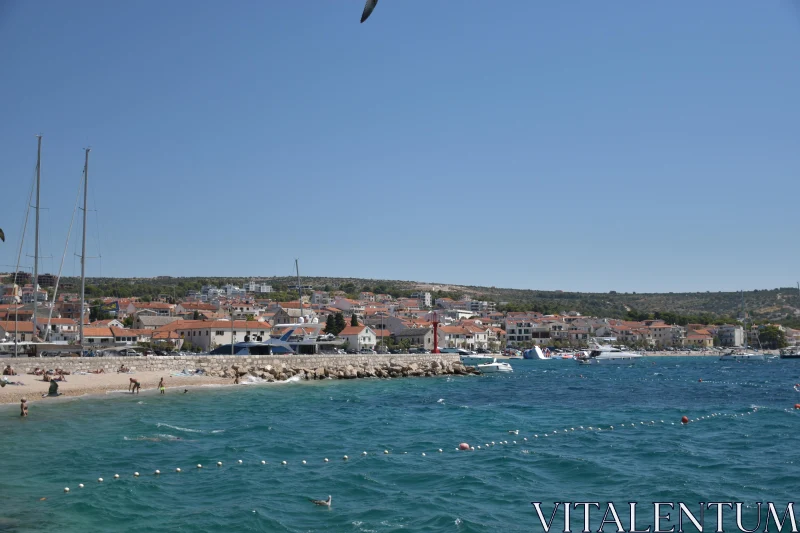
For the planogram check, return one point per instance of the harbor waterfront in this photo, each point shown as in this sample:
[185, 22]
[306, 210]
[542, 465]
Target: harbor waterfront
[556, 432]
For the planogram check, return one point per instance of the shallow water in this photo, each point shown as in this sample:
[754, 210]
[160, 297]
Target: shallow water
[747, 453]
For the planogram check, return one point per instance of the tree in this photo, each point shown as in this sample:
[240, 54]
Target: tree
[772, 337]
[354, 320]
[330, 325]
[127, 322]
[338, 320]
[250, 317]
[196, 315]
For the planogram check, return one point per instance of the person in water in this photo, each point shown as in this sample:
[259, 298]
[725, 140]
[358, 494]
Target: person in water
[136, 387]
[161, 386]
[23, 407]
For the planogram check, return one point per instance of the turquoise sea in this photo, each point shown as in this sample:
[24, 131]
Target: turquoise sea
[745, 449]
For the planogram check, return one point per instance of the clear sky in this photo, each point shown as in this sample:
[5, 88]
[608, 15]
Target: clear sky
[592, 146]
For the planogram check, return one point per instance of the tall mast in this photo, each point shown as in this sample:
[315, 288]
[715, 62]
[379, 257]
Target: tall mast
[299, 290]
[36, 239]
[83, 244]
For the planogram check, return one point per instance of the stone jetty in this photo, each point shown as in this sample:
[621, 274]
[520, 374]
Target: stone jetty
[267, 367]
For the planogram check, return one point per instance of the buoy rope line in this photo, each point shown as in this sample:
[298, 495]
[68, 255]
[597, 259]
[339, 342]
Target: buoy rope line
[463, 447]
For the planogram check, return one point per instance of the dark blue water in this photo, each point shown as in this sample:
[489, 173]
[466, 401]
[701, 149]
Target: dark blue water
[746, 453]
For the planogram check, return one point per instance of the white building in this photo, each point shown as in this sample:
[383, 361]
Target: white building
[359, 337]
[731, 335]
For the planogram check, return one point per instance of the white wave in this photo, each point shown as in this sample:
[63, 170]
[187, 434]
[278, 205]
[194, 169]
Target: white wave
[178, 428]
[440, 400]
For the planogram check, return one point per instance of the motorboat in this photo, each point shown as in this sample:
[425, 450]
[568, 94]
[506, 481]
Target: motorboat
[494, 367]
[476, 359]
[607, 355]
[790, 353]
[742, 356]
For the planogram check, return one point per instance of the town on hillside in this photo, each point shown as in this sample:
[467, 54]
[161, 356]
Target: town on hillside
[206, 319]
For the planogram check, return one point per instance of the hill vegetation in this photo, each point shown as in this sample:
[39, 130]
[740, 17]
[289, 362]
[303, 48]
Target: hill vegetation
[780, 305]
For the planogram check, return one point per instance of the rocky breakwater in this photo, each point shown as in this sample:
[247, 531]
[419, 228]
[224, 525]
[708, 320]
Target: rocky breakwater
[387, 369]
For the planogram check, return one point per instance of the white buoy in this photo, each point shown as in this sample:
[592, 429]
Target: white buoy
[116, 476]
[283, 463]
[479, 447]
[611, 427]
[525, 439]
[536, 436]
[99, 480]
[66, 489]
[572, 429]
[240, 461]
[652, 422]
[136, 474]
[304, 461]
[423, 454]
[219, 463]
[345, 458]
[178, 470]
[385, 452]
[472, 448]
[80, 485]
[157, 472]
[492, 443]
[440, 450]
[363, 453]
[514, 442]
[326, 459]
[199, 466]
[580, 427]
[263, 462]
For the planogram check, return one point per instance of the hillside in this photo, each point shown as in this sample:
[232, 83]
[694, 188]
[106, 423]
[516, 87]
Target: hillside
[780, 305]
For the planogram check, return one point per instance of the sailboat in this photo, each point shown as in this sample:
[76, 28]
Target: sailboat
[743, 355]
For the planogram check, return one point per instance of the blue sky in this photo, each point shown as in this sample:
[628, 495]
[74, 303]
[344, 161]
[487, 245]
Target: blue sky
[592, 146]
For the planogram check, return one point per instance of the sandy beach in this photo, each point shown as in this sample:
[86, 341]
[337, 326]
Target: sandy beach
[83, 384]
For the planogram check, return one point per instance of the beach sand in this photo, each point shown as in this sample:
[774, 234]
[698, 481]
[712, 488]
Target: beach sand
[80, 385]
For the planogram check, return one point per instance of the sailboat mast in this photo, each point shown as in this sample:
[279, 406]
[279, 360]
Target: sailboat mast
[83, 244]
[36, 238]
[299, 290]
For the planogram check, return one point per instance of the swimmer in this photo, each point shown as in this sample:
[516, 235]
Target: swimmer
[185, 391]
[23, 407]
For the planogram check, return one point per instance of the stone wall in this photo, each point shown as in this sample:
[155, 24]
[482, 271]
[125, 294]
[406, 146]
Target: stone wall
[221, 364]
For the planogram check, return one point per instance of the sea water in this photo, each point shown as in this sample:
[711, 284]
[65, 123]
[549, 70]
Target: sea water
[739, 447]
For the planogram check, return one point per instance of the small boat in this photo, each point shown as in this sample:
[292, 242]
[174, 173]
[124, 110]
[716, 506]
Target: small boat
[494, 367]
[536, 353]
[790, 353]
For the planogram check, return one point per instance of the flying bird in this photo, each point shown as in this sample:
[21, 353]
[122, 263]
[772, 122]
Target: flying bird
[2, 236]
[368, 7]
[326, 503]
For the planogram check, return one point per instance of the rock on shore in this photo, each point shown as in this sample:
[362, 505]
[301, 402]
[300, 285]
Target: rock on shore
[286, 370]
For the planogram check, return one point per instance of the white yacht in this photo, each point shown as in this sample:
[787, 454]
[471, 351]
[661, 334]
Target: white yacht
[606, 355]
[742, 356]
[473, 359]
[494, 367]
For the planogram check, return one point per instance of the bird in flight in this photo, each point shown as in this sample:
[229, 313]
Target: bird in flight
[2, 236]
[368, 7]
[326, 503]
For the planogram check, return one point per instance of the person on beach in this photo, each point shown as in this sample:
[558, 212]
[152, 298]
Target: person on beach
[23, 407]
[161, 386]
[236, 379]
[8, 371]
[53, 391]
[131, 382]
[136, 387]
